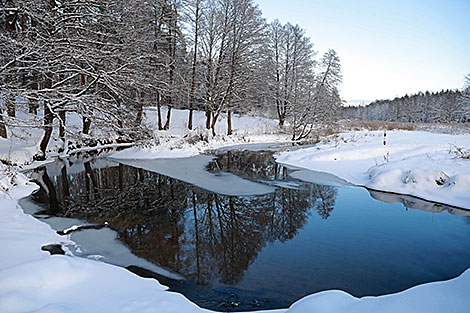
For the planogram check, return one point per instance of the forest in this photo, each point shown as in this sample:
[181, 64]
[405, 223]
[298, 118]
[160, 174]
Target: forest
[107, 60]
[446, 106]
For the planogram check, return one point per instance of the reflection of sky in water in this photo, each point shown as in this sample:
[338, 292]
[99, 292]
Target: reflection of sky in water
[277, 246]
[365, 247]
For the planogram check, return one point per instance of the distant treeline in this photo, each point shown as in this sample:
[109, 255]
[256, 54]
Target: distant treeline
[446, 106]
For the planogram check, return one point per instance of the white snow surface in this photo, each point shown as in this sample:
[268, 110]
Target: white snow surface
[179, 142]
[417, 163]
[17, 153]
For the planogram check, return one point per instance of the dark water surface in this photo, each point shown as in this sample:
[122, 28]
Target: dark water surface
[261, 251]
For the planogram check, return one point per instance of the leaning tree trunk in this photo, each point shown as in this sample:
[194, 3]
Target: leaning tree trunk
[51, 194]
[11, 107]
[48, 119]
[62, 117]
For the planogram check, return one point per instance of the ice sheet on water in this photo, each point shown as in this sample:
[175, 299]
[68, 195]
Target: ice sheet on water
[90, 243]
[104, 243]
[264, 146]
[77, 166]
[320, 178]
[192, 170]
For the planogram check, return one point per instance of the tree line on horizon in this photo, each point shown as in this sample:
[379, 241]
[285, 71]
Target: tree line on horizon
[107, 60]
[446, 106]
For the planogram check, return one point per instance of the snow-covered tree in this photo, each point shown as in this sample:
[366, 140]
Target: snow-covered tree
[324, 102]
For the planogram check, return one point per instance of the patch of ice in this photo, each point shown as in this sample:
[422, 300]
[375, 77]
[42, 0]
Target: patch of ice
[192, 170]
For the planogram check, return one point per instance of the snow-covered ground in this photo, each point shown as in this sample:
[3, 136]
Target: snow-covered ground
[179, 142]
[33, 281]
[417, 163]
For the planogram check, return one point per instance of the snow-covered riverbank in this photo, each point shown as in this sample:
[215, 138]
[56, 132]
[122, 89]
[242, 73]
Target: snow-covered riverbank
[422, 164]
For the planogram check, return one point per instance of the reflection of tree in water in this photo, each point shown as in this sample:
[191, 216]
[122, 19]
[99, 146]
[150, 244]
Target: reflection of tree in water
[326, 200]
[258, 165]
[204, 236]
[289, 212]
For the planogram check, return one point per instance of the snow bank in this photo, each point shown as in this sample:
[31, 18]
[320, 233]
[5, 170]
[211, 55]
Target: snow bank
[448, 296]
[17, 153]
[21, 235]
[420, 164]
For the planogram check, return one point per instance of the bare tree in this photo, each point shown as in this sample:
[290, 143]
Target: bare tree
[196, 23]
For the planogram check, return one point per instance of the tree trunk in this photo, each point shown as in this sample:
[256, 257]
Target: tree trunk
[213, 131]
[229, 105]
[229, 102]
[281, 121]
[159, 112]
[33, 108]
[208, 119]
[229, 118]
[86, 125]
[91, 175]
[140, 108]
[3, 129]
[213, 123]
[168, 117]
[172, 42]
[62, 117]
[232, 76]
[193, 74]
[65, 182]
[51, 193]
[121, 177]
[190, 121]
[11, 107]
[48, 119]
[32, 104]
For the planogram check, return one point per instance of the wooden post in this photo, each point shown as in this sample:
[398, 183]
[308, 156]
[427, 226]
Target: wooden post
[385, 135]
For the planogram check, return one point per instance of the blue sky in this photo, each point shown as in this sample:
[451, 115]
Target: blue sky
[387, 48]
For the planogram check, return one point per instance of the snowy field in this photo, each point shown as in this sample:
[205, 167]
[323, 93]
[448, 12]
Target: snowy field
[412, 162]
